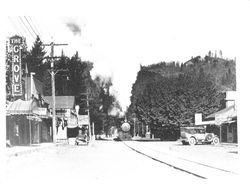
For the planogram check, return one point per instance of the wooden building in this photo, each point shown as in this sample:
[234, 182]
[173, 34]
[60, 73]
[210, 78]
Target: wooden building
[25, 125]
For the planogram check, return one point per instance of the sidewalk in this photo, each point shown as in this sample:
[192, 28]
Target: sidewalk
[229, 144]
[145, 139]
[22, 150]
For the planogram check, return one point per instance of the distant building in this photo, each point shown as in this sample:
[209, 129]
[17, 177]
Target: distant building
[192, 61]
[66, 116]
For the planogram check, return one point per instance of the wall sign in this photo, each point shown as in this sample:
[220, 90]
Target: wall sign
[16, 43]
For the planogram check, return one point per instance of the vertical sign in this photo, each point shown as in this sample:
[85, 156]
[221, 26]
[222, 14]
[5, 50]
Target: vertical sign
[16, 46]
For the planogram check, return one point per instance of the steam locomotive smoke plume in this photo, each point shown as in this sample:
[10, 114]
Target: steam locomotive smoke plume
[76, 30]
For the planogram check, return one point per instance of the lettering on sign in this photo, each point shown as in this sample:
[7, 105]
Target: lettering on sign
[16, 46]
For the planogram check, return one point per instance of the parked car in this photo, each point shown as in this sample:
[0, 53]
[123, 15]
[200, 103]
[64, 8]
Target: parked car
[195, 135]
[82, 138]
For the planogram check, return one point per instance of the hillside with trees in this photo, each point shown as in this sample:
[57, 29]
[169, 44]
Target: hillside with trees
[166, 96]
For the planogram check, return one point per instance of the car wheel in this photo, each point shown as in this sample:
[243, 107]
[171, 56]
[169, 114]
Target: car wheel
[216, 141]
[192, 141]
[209, 137]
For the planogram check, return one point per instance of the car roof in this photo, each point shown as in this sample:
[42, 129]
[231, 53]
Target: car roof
[194, 127]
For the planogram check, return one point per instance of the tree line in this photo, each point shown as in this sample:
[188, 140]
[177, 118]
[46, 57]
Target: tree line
[166, 96]
[72, 79]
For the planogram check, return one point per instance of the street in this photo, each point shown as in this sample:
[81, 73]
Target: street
[108, 161]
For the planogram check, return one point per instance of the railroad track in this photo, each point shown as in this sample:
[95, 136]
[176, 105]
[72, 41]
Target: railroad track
[197, 169]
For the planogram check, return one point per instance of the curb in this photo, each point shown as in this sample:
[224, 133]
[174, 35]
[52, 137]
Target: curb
[28, 151]
[229, 144]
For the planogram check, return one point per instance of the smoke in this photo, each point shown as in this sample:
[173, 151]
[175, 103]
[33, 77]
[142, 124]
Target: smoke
[75, 28]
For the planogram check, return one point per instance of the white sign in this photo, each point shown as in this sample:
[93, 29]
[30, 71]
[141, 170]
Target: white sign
[67, 113]
[40, 111]
[16, 46]
[83, 120]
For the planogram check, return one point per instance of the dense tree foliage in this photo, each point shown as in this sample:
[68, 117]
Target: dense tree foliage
[102, 103]
[34, 59]
[72, 79]
[167, 95]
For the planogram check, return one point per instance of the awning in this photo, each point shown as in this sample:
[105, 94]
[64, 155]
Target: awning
[229, 112]
[34, 118]
[62, 102]
[19, 107]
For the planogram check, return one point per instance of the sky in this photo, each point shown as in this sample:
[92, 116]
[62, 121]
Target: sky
[119, 36]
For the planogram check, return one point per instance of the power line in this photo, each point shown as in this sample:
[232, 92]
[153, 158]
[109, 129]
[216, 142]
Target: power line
[34, 26]
[31, 26]
[37, 25]
[24, 30]
[18, 27]
[26, 27]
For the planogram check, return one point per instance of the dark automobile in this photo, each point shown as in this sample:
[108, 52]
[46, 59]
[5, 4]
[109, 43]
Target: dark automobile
[82, 138]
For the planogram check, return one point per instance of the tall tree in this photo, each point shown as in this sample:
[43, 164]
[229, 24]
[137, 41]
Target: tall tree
[34, 59]
[101, 104]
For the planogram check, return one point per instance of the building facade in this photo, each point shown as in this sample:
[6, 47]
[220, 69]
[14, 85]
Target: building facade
[28, 121]
[66, 116]
[225, 119]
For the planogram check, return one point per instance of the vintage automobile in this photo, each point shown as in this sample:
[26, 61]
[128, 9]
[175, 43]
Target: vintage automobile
[82, 138]
[198, 134]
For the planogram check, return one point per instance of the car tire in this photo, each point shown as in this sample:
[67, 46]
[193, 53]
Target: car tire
[192, 141]
[184, 142]
[209, 137]
[216, 141]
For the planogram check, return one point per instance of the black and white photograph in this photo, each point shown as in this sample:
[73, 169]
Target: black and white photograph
[124, 91]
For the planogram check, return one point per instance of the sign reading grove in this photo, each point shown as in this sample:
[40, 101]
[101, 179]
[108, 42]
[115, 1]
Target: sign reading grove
[16, 46]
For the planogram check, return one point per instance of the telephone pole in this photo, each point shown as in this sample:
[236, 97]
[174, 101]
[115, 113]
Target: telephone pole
[88, 113]
[53, 72]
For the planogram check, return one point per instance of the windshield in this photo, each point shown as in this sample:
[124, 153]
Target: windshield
[193, 130]
[200, 131]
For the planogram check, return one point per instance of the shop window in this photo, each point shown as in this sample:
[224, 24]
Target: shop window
[230, 128]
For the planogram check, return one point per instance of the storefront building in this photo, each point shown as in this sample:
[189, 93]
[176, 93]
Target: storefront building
[27, 116]
[225, 120]
[24, 125]
[66, 116]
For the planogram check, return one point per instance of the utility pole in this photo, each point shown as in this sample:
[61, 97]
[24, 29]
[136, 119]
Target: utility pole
[88, 113]
[53, 72]
[93, 130]
[87, 100]
[134, 126]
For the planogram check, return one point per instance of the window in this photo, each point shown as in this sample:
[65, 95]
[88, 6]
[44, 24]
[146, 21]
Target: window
[230, 128]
